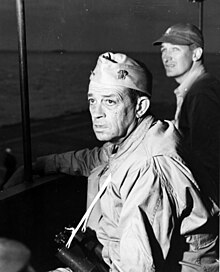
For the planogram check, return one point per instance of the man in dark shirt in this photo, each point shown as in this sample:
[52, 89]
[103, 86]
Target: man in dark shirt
[198, 97]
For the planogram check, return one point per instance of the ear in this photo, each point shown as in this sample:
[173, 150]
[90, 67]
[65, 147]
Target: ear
[197, 54]
[143, 104]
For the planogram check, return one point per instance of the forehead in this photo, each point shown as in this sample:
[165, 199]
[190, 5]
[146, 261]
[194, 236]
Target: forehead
[170, 45]
[107, 91]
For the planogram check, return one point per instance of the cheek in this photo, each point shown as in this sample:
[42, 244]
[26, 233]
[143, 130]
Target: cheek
[121, 118]
[185, 61]
[124, 118]
[163, 58]
[116, 119]
[184, 65]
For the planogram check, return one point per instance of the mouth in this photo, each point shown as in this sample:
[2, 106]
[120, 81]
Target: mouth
[99, 127]
[169, 65]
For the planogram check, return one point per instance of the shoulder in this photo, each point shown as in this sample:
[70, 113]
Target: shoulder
[207, 85]
[162, 138]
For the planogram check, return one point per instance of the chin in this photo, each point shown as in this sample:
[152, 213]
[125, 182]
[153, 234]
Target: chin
[170, 74]
[102, 138]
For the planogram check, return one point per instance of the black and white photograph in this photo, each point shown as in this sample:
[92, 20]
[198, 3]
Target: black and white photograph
[109, 135]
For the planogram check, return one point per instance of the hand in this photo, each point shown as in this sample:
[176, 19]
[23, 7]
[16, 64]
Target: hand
[18, 176]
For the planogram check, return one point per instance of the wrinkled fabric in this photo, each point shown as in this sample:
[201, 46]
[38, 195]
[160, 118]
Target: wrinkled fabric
[147, 217]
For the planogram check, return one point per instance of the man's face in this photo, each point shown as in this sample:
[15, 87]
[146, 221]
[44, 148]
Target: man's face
[113, 113]
[177, 60]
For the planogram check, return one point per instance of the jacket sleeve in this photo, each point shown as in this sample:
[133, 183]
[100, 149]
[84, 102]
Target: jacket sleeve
[162, 199]
[73, 163]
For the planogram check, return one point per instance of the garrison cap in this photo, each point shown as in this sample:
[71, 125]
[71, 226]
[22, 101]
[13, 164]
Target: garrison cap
[182, 34]
[119, 70]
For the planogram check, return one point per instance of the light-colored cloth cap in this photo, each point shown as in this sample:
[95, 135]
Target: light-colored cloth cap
[14, 256]
[120, 70]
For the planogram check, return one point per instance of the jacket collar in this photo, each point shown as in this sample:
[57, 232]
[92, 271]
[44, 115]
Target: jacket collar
[157, 138]
[196, 71]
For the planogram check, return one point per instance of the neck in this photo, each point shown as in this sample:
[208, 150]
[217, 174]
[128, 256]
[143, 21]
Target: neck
[184, 85]
[196, 68]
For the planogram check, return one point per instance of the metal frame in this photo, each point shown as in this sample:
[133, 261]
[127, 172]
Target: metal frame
[20, 11]
[200, 4]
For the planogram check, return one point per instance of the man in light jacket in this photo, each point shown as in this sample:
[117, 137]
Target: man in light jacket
[150, 214]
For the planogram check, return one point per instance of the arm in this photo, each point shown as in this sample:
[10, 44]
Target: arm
[73, 163]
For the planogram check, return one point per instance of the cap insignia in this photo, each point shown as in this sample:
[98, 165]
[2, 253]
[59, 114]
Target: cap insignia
[168, 30]
[122, 74]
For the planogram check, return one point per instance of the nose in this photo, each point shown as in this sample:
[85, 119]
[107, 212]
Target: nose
[166, 57]
[97, 111]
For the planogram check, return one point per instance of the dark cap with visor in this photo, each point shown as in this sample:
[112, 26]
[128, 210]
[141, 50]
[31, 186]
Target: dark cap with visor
[182, 34]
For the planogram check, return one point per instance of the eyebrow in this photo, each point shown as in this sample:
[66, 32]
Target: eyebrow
[104, 95]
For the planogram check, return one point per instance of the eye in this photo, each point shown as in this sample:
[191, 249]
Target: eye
[91, 101]
[176, 49]
[110, 102]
